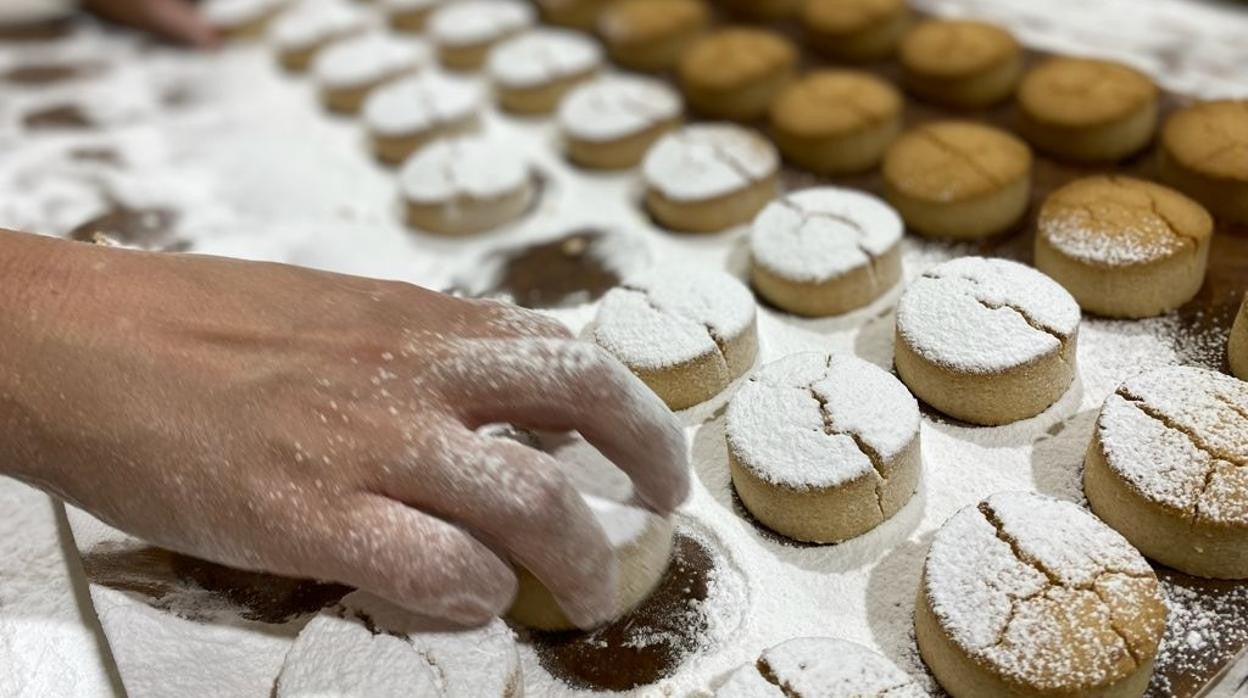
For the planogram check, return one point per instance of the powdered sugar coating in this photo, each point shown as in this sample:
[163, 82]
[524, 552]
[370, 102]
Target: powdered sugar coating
[472, 22]
[421, 103]
[471, 166]
[313, 22]
[821, 666]
[368, 58]
[1179, 436]
[542, 56]
[980, 315]
[704, 161]
[410, 5]
[615, 107]
[822, 233]
[233, 13]
[816, 420]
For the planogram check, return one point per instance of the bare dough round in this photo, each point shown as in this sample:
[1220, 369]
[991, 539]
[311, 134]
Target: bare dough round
[836, 121]
[1204, 152]
[735, 73]
[461, 186]
[651, 35]
[820, 667]
[610, 123]
[960, 63]
[855, 30]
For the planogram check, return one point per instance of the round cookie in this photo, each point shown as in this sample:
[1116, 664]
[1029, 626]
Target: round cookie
[988, 341]
[460, 186]
[1237, 347]
[1204, 152]
[1086, 109]
[820, 666]
[762, 10]
[855, 30]
[823, 447]
[687, 333]
[1168, 469]
[1027, 596]
[735, 73]
[651, 35]
[960, 63]
[302, 32]
[533, 71]
[407, 114]
[466, 30]
[958, 179]
[825, 251]
[241, 19]
[409, 15]
[709, 177]
[364, 646]
[575, 14]
[348, 70]
[1124, 247]
[610, 123]
[836, 121]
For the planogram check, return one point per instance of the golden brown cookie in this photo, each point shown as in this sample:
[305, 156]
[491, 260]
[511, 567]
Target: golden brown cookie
[1086, 109]
[1237, 348]
[735, 73]
[855, 30]
[651, 35]
[1204, 152]
[836, 121]
[762, 10]
[1124, 247]
[958, 179]
[960, 63]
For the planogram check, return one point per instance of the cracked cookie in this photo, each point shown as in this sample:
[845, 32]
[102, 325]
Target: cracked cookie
[960, 63]
[735, 73]
[836, 121]
[822, 447]
[466, 30]
[855, 30]
[610, 123]
[466, 185]
[825, 251]
[687, 333]
[349, 70]
[1087, 110]
[824, 667]
[987, 341]
[1025, 595]
[1124, 247]
[651, 35]
[300, 33]
[1168, 469]
[958, 179]
[709, 177]
[404, 116]
[1204, 152]
[533, 71]
[1237, 347]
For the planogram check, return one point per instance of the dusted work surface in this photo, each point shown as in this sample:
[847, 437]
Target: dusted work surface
[215, 150]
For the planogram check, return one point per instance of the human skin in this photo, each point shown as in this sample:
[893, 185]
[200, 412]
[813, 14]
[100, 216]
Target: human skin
[317, 425]
[176, 20]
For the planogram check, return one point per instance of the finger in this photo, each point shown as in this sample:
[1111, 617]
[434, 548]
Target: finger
[517, 500]
[575, 386]
[180, 21]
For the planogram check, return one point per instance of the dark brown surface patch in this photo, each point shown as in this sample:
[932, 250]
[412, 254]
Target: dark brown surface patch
[38, 74]
[148, 228]
[40, 30]
[565, 272]
[1207, 627]
[61, 116]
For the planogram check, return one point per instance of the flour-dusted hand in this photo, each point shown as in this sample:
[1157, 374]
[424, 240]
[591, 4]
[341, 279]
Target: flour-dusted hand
[312, 424]
[177, 20]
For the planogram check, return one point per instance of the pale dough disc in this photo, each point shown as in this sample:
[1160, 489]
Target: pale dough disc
[300, 33]
[1168, 468]
[533, 71]
[460, 186]
[464, 31]
[407, 114]
[709, 177]
[823, 447]
[1025, 595]
[364, 646]
[348, 70]
[825, 251]
[1237, 348]
[611, 122]
[820, 667]
[688, 333]
[988, 341]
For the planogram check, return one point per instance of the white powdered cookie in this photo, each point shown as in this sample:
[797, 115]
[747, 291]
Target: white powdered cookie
[465, 185]
[309, 26]
[611, 122]
[241, 18]
[823, 447]
[464, 31]
[409, 113]
[688, 333]
[820, 667]
[988, 341]
[348, 70]
[1168, 468]
[533, 71]
[708, 177]
[1025, 595]
[825, 251]
[364, 646]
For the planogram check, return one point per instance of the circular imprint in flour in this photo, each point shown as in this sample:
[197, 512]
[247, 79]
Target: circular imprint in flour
[987, 341]
[825, 251]
[407, 114]
[855, 30]
[823, 447]
[736, 73]
[709, 177]
[1124, 247]
[686, 332]
[364, 646]
[836, 121]
[610, 123]
[300, 33]
[1204, 152]
[820, 666]
[1168, 469]
[651, 35]
[533, 71]
[1024, 595]
[1237, 348]
[465, 31]
[461, 186]
[348, 70]
[241, 19]
[409, 15]
[960, 63]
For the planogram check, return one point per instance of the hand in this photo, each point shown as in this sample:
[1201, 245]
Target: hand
[177, 20]
[317, 425]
